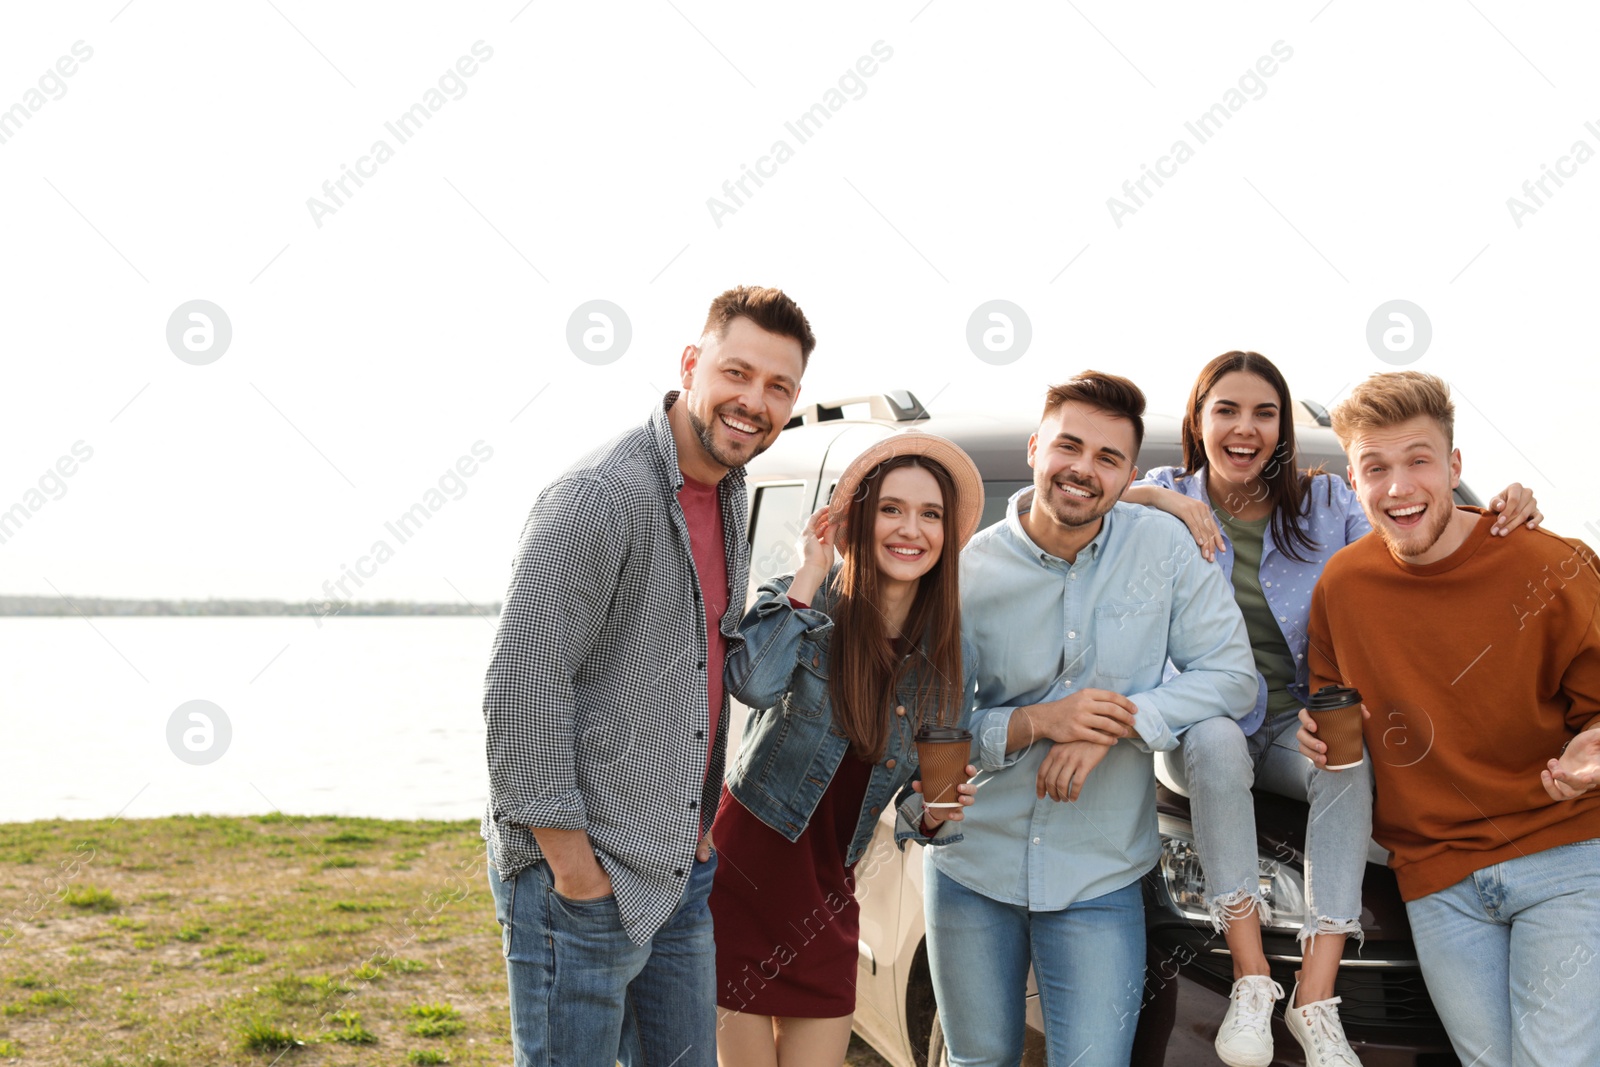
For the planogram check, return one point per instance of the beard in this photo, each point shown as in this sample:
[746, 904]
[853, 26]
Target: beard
[1094, 508]
[1420, 538]
[724, 455]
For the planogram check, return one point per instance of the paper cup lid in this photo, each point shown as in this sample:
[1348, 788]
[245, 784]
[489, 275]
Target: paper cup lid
[1332, 697]
[935, 734]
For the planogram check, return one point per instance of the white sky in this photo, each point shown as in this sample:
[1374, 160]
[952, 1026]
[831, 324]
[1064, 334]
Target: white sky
[431, 308]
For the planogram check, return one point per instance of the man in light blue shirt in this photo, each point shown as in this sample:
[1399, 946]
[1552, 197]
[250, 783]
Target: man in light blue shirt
[1075, 603]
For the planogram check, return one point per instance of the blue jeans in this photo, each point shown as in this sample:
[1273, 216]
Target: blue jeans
[584, 995]
[1219, 766]
[1511, 955]
[1088, 963]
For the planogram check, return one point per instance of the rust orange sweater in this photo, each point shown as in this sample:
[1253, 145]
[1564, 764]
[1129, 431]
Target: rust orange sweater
[1476, 669]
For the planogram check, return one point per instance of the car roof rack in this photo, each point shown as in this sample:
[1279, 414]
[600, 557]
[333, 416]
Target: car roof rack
[896, 405]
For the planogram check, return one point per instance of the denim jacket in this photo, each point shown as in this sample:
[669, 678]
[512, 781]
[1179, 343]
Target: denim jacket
[792, 746]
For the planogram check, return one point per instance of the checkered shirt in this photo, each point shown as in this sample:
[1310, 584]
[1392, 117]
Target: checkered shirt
[596, 701]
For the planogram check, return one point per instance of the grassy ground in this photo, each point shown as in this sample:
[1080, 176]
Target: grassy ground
[258, 940]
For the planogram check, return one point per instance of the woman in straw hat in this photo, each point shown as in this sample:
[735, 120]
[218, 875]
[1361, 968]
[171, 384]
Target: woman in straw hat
[842, 664]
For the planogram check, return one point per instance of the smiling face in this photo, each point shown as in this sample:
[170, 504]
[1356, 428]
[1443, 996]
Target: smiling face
[908, 532]
[741, 390]
[1239, 425]
[1082, 459]
[1404, 475]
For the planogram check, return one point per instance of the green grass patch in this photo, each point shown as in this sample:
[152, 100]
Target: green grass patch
[328, 987]
[337, 862]
[351, 837]
[90, 898]
[426, 1056]
[353, 1035]
[350, 1031]
[292, 989]
[236, 954]
[193, 932]
[27, 981]
[9, 1048]
[367, 972]
[49, 998]
[259, 1035]
[435, 1020]
[357, 905]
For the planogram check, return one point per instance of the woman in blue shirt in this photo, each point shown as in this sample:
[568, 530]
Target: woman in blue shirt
[1241, 493]
[840, 665]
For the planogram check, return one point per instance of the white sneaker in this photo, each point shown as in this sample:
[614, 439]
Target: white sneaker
[1245, 1039]
[1316, 1026]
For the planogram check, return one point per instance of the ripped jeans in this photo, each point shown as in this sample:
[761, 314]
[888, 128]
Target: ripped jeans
[1218, 765]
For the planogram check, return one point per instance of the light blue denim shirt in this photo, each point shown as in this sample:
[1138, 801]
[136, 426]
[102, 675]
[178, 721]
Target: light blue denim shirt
[1333, 519]
[1138, 594]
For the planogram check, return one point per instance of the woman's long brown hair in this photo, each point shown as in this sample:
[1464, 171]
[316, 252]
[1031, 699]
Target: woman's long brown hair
[865, 671]
[1286, 484]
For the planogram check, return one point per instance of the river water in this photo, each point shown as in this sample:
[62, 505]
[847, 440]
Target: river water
[375, 716]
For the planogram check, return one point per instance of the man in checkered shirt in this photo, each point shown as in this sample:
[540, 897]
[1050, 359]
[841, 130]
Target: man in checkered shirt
[606, 714]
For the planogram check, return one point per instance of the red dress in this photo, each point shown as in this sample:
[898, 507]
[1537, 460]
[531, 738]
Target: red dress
[786, 921]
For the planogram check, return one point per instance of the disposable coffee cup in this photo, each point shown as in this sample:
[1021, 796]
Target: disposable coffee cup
[1337, 712]
[943, 753]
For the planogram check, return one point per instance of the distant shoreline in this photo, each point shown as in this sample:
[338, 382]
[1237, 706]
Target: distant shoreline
[44, 606]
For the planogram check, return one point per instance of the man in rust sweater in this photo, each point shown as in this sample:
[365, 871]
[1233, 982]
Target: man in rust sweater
[1478, 659]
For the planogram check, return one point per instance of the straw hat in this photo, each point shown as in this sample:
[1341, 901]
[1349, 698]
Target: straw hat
[963, 472]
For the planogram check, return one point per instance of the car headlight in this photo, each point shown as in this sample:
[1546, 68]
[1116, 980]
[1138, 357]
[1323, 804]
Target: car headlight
[1183, 881]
